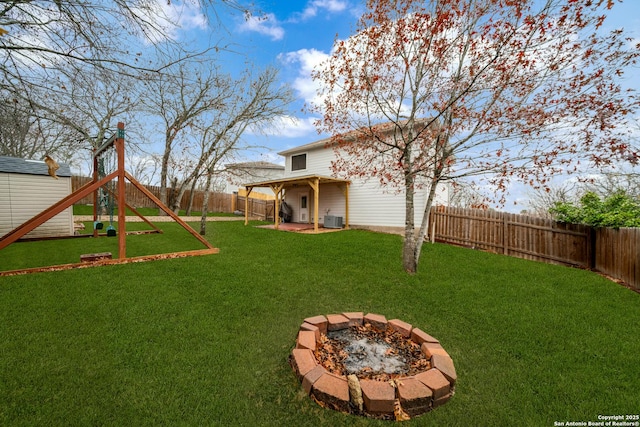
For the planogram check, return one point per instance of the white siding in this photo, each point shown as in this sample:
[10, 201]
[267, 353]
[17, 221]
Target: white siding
[331, 201]
[331, 195]
[369, 204]
[318, 163]
[28, 195]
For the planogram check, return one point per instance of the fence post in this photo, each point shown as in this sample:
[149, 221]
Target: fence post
[591, 244]
[505, 224]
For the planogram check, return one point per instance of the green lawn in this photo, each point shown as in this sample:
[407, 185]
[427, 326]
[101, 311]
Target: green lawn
[205, 340]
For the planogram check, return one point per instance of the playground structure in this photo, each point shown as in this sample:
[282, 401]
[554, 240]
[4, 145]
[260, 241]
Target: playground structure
[108, 187]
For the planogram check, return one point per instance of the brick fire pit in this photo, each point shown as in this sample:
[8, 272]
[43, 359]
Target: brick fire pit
[400, 398]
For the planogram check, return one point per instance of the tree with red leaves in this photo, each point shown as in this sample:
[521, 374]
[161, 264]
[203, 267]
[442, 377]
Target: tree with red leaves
[428, 92]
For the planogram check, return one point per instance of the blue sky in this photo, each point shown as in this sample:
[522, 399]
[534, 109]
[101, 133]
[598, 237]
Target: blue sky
[294, 35]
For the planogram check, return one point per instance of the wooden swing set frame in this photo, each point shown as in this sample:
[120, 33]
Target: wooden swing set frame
[116, 141]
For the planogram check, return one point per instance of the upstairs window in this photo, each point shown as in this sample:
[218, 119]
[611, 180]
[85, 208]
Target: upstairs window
[299, 162]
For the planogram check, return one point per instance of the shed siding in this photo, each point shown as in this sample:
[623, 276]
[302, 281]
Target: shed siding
[28, 195]
[5, 205]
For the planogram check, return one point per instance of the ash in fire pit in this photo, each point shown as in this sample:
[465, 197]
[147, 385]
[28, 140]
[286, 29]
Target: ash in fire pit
[370, 353]
[365, 354]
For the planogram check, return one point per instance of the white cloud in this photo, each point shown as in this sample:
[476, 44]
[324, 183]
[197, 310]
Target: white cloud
[165, 19]
[289, 127]
[306, 60]
[186, 15]
[267, 25]
[333, 6]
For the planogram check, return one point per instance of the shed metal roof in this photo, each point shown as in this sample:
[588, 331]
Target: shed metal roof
[30, 167]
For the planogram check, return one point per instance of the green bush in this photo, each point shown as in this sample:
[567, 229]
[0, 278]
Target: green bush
[617, 210]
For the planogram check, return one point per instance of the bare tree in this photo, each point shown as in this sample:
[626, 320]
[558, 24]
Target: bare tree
[25, 133]
[178, 99]
[110, 34]
[53, 50]
[466, 194]
[93, 100]
[204, 116]
[611, 182]
[543, 199]
[15, 126]
[144, 167]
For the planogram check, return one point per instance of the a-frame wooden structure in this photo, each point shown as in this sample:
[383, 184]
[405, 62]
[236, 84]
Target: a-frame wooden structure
[116, 141]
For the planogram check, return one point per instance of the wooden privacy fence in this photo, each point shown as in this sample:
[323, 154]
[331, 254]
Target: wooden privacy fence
[218, 202]
[613, 252]
[618, 254]
[258, 208]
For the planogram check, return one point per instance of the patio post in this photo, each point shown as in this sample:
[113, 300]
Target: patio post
[315, 186]
[248, 190]
[277, 189]
[316, 200]
[346, 207]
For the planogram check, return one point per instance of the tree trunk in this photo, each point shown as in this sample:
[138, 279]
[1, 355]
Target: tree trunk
[177, 197]
[424, 226]
[205, 206]
[409, 245]
[191, 197]
[171, 194]
[409, 256]
[164, 169]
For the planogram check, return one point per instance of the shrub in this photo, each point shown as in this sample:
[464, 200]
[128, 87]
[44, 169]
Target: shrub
[617, 210]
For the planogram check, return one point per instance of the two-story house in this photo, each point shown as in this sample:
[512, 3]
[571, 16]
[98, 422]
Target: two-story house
[315, 196]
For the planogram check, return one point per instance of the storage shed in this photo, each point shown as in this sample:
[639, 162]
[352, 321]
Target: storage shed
[26, 189]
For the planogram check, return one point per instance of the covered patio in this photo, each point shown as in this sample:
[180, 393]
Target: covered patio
[314, 182]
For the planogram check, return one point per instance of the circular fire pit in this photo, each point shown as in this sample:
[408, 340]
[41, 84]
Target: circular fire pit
[364, 364]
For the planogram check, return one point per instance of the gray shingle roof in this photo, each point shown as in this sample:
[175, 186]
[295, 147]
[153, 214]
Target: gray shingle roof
[30, 167]
[255, 165]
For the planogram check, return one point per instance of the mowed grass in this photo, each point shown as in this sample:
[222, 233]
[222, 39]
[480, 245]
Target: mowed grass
[205, 340]
[30, 254]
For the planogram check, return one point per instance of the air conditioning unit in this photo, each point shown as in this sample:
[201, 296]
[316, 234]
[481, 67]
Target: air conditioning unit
[331, 221]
